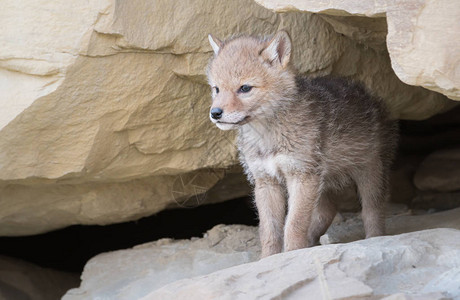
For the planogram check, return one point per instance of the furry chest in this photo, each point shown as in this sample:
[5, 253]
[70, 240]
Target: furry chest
[275, 166]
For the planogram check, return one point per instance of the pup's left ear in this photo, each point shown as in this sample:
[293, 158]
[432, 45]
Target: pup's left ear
[216, 44]
[278, 50]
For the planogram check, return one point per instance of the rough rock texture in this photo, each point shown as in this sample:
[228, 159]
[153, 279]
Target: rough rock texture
[422, 35]
[349, 227]
[104, 104]
[422, 265]
[134, 273]
[21, 280]
[439, 171]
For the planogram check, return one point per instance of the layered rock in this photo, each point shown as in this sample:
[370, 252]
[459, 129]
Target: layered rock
[420, 265]
[422, 35]
[150, 266]
[168, 269]
[104, 104]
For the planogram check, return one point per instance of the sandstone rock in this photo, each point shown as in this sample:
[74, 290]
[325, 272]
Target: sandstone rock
[22, 280]
[104, 104]
[440, 171]
[349, 227]
[419, 265]
[38, 42]
[422, 35]
[134, 273]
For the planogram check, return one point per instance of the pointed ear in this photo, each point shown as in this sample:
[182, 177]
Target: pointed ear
[278, 50]
[216, 44]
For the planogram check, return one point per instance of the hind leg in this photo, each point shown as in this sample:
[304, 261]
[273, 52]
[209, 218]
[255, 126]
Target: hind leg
[323, 215]
[373, 191]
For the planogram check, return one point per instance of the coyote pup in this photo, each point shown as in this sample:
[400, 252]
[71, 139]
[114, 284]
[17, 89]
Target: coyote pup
[300, 138]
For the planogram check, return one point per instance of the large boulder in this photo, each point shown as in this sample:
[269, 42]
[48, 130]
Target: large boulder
[419, 265]
[104, 104]
[153, 265]
[169, 269]
[422, 35]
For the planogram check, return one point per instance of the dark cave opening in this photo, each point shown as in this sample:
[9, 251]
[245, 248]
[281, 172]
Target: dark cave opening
[70, 248]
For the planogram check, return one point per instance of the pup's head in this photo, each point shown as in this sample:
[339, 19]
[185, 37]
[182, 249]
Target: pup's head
[249, 77]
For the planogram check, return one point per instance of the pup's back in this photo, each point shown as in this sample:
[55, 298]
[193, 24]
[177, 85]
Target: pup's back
[354, 126]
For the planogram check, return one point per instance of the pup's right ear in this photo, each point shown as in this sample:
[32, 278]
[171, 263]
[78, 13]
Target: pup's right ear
[216, 44]
[278, 50]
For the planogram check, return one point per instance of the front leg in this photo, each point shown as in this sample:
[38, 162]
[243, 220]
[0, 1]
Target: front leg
[271, 206]
[303, 193]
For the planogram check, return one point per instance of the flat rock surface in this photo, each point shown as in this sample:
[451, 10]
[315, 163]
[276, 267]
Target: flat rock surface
[348, 227]
[132, 273]
[151, 269]
[421, 265]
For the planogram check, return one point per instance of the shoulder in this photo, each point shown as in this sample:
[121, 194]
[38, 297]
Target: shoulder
[330, 85]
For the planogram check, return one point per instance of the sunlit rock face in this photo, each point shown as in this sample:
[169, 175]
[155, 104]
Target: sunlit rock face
[422, 36]
[104, 104]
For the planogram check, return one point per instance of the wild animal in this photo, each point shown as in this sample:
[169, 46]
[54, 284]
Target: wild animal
[300, 139]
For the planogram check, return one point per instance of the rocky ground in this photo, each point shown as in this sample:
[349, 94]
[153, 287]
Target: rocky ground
[104, 120]
[420, 265]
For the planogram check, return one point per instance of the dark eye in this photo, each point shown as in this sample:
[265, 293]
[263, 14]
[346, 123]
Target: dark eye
[217, 89]
[245, 88]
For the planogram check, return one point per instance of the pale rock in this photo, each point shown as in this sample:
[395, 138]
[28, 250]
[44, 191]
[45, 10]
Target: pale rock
[151, 269]
[104, 104]
[417, 265]
[401, 296]
[39, 40]
[132, 273]
[422, 35]
[399, 220]
[23, 280]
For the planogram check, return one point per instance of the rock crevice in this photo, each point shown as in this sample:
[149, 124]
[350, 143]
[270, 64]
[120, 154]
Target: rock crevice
[122, 97]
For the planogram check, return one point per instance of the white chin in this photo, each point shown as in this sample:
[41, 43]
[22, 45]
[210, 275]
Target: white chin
[226, 126]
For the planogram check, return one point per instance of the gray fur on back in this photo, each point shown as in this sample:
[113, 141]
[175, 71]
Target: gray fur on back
[332, 126]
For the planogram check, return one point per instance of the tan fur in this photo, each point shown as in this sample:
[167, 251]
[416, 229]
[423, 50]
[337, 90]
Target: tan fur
[300, 140]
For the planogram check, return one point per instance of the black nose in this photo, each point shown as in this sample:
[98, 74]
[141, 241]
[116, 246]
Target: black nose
[216, 113]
